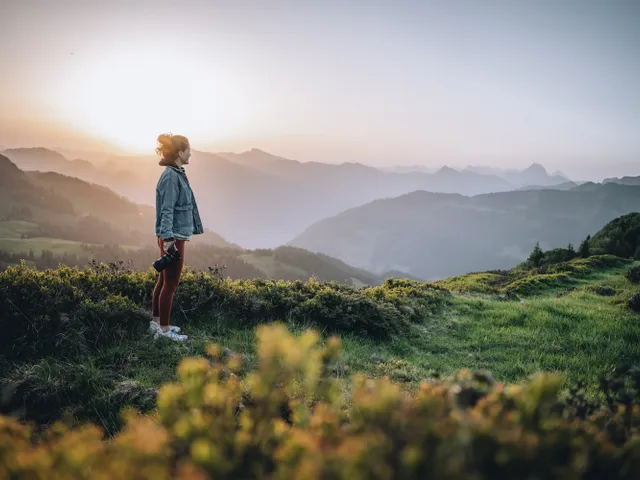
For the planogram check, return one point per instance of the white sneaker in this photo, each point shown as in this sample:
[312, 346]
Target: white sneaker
[171, 335]
[155, 327]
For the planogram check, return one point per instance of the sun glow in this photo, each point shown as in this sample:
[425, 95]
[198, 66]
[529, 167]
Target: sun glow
[132, 97]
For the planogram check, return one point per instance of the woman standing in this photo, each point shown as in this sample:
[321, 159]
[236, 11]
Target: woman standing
[177, 220]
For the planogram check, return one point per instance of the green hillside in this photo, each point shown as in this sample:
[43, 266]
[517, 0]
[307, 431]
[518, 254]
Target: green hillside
[407, 330]
[76, 347]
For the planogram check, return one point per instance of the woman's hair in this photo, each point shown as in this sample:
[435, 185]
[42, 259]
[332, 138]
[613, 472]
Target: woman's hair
[169, 146]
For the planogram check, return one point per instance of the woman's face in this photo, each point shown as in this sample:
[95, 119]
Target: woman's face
[185, 155]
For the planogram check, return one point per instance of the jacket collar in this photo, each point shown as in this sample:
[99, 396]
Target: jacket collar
[178, 169]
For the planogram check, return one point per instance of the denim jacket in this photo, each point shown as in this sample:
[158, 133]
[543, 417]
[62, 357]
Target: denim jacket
[176, 208]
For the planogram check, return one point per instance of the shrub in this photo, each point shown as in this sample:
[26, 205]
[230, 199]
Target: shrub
[634, 302]
[289, 419]
[633, 274]
[350, 313]
[602, 290]
[68, 311]
[534, 283]
[474, 283]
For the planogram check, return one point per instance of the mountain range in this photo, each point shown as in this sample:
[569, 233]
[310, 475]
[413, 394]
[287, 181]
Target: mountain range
[429, 225]
[623, 180]
[259, 200]
[58, 206]
[434, 236]
[76, 221]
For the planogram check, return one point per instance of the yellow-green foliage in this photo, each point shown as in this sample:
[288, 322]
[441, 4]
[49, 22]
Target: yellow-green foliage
[289, 419]
[534, 283]
[523, 281]
[473, 282]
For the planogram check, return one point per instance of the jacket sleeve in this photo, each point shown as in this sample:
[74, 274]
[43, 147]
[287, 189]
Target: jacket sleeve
[169, 192]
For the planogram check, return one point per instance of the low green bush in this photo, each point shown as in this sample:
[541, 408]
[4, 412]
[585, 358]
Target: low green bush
[69, 311]
[633, 274]
[535, 283]
[634, 302]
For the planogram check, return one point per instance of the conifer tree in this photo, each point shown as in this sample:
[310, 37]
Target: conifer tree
[536, 256]
[584, 250]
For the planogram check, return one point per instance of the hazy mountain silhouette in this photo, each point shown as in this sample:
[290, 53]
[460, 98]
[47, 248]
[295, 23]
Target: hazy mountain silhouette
[59, 206]
[52, 207]
[38, 158]
[559, 186]
[41, 159]
[11, 176]
[257, 200]
[310, 191]
[439, 235]
[623, 180]
[533, 176]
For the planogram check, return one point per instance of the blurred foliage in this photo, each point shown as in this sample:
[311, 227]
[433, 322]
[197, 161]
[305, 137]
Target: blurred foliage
[289, 418]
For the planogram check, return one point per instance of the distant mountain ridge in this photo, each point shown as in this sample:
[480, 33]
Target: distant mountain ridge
[65, 207]
[259, 200]
[434, 236]
[54, 212]
[533, 176]
[623, 180]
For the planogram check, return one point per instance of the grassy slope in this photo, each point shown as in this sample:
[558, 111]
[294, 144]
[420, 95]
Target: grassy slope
[11, 241]
[579, 333]
[570, 329]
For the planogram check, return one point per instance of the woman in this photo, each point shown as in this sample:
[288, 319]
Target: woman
[177, 220]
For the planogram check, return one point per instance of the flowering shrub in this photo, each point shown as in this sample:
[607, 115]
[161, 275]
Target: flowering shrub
[290, 419]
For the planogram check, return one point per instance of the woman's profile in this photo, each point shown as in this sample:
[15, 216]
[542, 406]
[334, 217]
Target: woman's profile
[177, 220]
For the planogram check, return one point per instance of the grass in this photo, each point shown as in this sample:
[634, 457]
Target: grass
[55, 245]
[580, 327]
[580, 334]
[11, 240]
[16, 228]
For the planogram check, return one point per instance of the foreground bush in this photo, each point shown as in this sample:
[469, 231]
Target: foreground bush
[289, 419]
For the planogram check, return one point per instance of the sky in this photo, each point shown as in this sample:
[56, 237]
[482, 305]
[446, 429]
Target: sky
[498, 83]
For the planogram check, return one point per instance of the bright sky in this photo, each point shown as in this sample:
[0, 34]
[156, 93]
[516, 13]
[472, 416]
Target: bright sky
[396, 82]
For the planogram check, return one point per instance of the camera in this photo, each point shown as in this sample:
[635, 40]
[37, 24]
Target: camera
[171, 256]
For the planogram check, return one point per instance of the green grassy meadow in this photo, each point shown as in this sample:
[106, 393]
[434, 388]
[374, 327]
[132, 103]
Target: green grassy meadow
[579, 333]
[579, 326]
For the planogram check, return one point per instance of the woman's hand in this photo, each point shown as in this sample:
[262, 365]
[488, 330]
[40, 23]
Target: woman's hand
[169, 244]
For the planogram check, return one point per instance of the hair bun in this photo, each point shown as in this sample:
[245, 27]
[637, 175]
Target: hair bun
[164, 139]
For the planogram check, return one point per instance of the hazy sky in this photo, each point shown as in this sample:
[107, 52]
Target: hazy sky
[395, 82]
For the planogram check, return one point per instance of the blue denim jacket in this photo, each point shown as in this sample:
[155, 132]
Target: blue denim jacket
[176, 208]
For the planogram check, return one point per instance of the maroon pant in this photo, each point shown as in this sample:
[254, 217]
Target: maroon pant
[168, 281]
